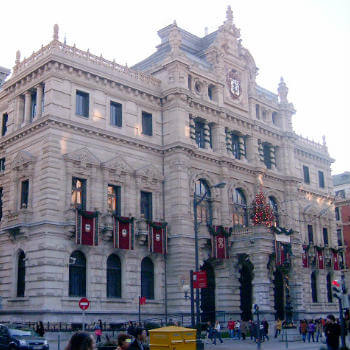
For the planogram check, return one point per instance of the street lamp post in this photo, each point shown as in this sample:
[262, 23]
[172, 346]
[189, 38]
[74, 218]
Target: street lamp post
[196, 202]
[256, 311]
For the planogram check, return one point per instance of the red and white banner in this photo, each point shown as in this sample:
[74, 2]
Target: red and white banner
[335, 261]
[305, 257]
[86, 227]
[219, 244]
[320, 259]
[157, 237]
[123, 233]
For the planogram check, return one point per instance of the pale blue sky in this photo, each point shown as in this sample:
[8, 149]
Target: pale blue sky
[305, 41]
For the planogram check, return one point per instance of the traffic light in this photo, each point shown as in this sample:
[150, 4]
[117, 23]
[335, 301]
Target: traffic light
[336, 287]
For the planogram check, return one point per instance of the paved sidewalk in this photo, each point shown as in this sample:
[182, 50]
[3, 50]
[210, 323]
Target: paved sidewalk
[272, 344]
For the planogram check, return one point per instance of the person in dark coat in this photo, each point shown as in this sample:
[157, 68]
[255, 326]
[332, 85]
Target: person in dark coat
[140, 339]
[131, 329]
[332, 332]
[39, 328]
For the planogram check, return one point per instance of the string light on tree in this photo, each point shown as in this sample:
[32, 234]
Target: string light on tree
[262, 212]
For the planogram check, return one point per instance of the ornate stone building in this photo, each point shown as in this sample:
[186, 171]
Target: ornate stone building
[99, 166]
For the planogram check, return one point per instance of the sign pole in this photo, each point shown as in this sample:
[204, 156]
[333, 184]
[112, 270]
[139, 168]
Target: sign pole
[83, 320]
[192, 299]
[139, 310]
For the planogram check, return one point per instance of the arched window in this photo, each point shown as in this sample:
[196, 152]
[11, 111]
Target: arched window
[147, 278]
[114, 277]
[204, 208]
[239, 208]
[21, 274]
[77, 275]
[314, 287]
[329, 288]
[274, 207]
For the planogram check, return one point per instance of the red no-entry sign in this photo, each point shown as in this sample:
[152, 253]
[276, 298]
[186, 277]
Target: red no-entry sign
[84, 303]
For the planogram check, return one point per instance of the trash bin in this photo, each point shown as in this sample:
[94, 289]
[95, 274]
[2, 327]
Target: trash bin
[173, 338]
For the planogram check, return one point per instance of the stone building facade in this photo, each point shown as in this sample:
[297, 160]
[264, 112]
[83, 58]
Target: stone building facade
[82, 133]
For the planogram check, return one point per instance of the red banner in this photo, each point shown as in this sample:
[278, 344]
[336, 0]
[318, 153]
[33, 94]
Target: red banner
[86, 230]
[200, 279]
[142, 300]
[320, 259]
[123, 233]
[219, 244]
[335, 261]
[157, 238]
[305, 258]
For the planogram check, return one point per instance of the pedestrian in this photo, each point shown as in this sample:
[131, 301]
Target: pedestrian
[238, 329]
[217, 332]
[251, 330]
[81, 341]
[231, 328]
[332, 333]
[303, 329]
[39, 328]
[278, 327]
[140, 339]
[131, 329]
[98, 332]
[209, 332]
[319, 329]
[265, 329]
[244, 329]
[124, 341]
[261, 330]
[311, 328]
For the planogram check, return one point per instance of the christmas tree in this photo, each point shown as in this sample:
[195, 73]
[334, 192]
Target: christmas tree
[262, 212]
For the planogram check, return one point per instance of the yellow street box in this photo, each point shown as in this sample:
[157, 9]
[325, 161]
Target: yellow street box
[173, 338]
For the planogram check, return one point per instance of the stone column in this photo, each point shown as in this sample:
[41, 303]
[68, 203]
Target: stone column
[252, 149]
[260, 151]
[219, 141]
[27, 100]
[273, 157]
[206, 135]
[228, 141]
[192, 129]
[19, 111]
[242, 148]
[39, 100]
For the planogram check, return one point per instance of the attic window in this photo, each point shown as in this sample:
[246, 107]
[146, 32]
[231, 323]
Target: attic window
[211, 92]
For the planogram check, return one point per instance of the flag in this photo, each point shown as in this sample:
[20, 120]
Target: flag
[142, 300]
[123, 232]
[86, 227]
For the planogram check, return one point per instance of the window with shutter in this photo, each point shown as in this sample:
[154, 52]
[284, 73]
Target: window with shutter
[147, 124]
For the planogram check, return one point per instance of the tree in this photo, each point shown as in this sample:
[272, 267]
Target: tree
[262, 212]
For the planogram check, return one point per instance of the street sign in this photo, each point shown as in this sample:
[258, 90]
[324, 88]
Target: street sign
[84, 303]
[200, 279]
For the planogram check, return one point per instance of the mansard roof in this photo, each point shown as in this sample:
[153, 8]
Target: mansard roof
[341, 179]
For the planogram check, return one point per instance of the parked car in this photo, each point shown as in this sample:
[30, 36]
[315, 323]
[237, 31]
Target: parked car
[16, 337]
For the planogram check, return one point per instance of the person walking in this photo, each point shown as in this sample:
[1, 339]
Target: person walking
[217, 332]
[81, 341]
[303, 329]
[131, 329]
[244, 329]
[98, 332]
[332, 333]
[311, 328]
[251, 330]
[278, 327]
[265, 330]
[319, 329]
[231, 328]
[209, 332]
[39, 328]
[238, 329]
[140, 339]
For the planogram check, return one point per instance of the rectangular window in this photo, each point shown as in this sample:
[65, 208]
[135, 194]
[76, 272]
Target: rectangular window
[147, 124]
[339, 237]
[267, 155]
[82, 104]
[146, 205]
[33, 106]
[310, 233]
[211, 136]
[5, 118]
[24, 194]
[116, 114]
[2, 164]
[320, 179]
[235, 146]
[200, 134]
[337, 214]
[257, 111]
[0, 203]
[306, 174]
[113, 199]
[189, 82]
[325, 236]
[79, 193]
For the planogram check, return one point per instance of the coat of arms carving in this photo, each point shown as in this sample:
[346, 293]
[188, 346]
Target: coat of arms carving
[234, 83]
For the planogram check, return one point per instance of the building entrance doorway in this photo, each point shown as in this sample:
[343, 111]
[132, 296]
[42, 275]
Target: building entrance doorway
[208, 295]
[246, 290]
[279, 295]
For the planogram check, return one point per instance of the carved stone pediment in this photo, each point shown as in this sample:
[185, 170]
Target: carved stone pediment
[23, 160]
[118, 165]
[148, 175]
[83, 156]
